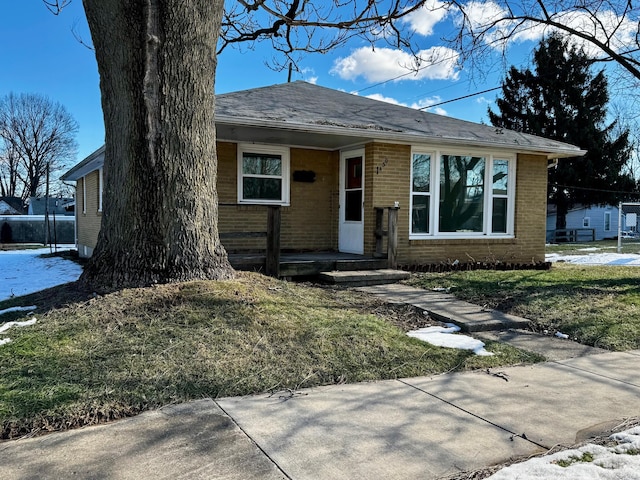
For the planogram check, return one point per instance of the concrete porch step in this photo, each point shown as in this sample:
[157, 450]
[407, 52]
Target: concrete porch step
[358, 278]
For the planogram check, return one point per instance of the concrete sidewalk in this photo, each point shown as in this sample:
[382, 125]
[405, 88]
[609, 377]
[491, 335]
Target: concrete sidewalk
[418, 428]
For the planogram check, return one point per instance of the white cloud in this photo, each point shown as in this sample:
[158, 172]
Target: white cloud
[484, 100]
[382, 64]
[424, 104]
[382, 98]
[481, 14]
[424, 19]
[308, 75]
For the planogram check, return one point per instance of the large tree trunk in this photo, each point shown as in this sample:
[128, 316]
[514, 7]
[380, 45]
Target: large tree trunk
[157, 62]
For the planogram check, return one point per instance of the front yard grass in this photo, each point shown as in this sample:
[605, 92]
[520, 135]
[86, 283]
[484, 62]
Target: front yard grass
[597, 306]
[93, 358]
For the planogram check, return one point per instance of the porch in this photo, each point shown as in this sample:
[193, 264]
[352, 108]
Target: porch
[307, 263]
[276, 263]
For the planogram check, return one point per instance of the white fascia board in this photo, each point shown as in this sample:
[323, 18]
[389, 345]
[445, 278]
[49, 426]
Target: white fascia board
[93, 162]
[398, 137]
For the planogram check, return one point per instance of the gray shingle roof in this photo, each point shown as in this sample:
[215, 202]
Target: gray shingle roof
[308, 108]
[307, 115]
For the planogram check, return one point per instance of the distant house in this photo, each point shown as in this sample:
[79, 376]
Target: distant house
[57, 206]
[599, 220]
[12, 206]
[330, 159]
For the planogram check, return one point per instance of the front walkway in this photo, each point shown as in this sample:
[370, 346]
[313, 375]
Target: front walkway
[481, 322]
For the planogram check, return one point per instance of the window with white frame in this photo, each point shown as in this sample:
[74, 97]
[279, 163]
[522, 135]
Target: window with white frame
[456, 195]
[607, 221]
[263, 174]
[100, 188]
[84, 194]
[586, 222]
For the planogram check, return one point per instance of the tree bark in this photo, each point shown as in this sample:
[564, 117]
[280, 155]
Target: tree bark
[157, 60]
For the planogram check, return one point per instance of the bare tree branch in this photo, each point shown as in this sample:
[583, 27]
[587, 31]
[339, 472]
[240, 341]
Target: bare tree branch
[603, 25]
[311, 26]
[57, 6]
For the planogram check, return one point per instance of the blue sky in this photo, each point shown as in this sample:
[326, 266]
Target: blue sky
[40, 54]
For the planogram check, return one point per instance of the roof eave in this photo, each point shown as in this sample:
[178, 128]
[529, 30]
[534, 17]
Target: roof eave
[550, 153]
[93, 162]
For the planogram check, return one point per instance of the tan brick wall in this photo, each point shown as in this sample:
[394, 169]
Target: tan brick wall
[388, 169]
[88, 217]
[531, 207]
[308, 224]
[387, 181]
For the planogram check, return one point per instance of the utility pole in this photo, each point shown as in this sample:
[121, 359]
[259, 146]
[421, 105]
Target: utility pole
[46, 209]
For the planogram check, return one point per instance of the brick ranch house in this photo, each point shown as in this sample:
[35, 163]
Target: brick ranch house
[461, 191]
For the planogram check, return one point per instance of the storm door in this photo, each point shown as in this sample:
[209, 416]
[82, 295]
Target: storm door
[351, 231]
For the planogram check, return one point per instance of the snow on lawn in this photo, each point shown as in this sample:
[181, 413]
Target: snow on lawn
[448, 337]
[589, 462]
[8, 325]
[18, 309]
[24, 271]
[620, 259]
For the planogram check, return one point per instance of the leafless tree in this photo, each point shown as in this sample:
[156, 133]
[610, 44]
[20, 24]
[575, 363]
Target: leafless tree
[9, 164]
[36, 134]
[157, 65]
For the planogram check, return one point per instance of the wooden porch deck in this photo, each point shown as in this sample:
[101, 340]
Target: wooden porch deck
[308, 264]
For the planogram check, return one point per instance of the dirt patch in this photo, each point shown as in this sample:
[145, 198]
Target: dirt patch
[405, 317]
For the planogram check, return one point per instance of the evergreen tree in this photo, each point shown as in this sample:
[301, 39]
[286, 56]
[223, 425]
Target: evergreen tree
[563, 100]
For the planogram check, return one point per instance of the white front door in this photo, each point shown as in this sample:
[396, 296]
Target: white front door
[351, 230]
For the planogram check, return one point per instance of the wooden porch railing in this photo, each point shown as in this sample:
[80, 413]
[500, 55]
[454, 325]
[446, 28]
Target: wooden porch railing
[391, 233]
[272, 235]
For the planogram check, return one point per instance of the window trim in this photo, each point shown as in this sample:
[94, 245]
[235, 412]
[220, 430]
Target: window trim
[586, 222]
[84, 195]
[285, 155]
[100, 189]
[607, 214]
[488, 196]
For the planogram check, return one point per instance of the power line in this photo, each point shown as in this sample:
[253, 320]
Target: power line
[461, 98]
[569, 187]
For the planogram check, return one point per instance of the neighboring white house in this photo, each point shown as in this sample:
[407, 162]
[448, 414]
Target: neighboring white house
[603, 219]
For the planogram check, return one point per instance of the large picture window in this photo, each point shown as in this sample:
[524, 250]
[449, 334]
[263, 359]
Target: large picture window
[263, 174]
[456, 195]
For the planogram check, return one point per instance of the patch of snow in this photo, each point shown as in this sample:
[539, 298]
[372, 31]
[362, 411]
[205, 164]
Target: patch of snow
[18, 309]
[4, 341]
[627, 259]
[448, 337]
[608, 463]
[562, 335]
[25, 271]
[26, 323]
[441, 289]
